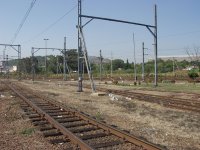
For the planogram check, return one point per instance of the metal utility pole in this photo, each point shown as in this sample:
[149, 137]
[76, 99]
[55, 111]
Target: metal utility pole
[173, 67]
[101, 66]
[85, 54]
[19, 60]
[135, 72]
[33, 64]
[57, 66]
[142, 61]
[7, 67]
[80, 69]
[4, 58]
[64, 60]
[83, 65]
[156, 48]
[46, 54]
[111, 65]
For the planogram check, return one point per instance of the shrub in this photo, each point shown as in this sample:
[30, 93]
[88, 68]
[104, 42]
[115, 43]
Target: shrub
[193, 74]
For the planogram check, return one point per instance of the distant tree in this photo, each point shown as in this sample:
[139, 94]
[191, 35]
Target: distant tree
[127, 65]
[72, 57]
[118, 63]
[52, 63]
[183, 64]
[107, 67]
[168, 65]
[25, 65]
[94, 67]
[149, 68]
[194, 55]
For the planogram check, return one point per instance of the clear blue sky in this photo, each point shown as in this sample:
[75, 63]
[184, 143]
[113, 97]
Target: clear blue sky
[178, 26]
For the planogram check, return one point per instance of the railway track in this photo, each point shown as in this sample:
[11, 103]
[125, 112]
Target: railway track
[74, 129]
[166, 101]
[177, 103]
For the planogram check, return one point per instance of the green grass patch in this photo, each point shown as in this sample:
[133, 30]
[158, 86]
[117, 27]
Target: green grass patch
[170, 87]
[187, 87]
[27, 131]
[99, 116]
[166, 87]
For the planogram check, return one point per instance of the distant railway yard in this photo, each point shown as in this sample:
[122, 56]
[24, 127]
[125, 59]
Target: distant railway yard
[53, 115]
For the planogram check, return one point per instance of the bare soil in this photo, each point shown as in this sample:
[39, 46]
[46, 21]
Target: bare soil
[171, 128]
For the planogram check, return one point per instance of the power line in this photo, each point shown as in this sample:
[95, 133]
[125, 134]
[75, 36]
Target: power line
[51, 25]
[23, 21]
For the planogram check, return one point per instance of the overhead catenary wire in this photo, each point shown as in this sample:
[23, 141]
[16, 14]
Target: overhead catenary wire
[51, 25]
[23, 21]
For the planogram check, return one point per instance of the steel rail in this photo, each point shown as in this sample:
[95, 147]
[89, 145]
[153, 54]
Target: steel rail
[109, 129]
[53, 122]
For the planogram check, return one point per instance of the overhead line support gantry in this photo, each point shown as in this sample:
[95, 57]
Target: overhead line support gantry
[149, 27]
[18, 50]
[63, 51]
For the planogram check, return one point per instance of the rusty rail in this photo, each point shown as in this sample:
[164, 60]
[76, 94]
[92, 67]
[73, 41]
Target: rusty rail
[124, 137]
[53, 122]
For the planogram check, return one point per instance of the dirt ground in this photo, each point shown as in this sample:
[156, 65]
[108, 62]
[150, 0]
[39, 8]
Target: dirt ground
[17, 133]
[16, 130]
[174, 129]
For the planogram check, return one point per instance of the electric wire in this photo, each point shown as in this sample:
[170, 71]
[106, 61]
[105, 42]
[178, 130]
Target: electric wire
[51, 25]
[23, 21]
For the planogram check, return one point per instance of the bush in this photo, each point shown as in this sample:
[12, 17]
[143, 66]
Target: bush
[193, 74]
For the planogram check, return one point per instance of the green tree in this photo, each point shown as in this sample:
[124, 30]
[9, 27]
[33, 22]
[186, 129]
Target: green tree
[183, 64]
[127, 65]
[72, 57]
[25, 65]
[118, 63]
[194, 56]
[54, 62]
